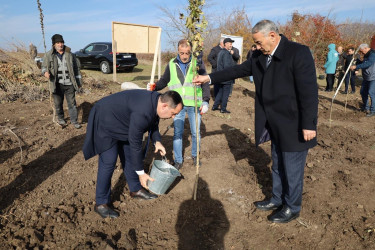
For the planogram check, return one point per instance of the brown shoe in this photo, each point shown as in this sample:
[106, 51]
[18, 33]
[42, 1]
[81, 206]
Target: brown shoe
[143, 194]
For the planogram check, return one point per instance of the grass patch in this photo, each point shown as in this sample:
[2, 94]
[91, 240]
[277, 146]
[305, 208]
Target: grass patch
[140, 75]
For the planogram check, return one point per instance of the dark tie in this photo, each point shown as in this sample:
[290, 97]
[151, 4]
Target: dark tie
[269, 58]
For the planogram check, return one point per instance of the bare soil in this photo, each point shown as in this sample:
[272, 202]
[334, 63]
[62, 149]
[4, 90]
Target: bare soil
[47, 200]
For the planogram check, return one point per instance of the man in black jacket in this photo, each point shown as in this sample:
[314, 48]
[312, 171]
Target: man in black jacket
[286, 111]
[212, 57]
[224, 60]
[348, 57]
[115, 128]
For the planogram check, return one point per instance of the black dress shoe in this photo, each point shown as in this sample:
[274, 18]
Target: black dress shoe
[285, 215]
[143, 194]
[225, 111]
[178, 165]
[266, 205]
[213, 108]
[104, 211]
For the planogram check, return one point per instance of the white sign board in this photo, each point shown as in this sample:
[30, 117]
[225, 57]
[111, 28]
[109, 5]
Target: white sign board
[136, 38]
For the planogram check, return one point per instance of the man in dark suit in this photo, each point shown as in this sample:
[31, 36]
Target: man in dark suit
[115, 127]
[224, 60]
[286, 111]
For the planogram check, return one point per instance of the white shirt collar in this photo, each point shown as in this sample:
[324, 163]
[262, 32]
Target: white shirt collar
[273, 52]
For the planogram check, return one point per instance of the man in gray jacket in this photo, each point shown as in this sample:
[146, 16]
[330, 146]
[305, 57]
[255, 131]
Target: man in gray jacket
[368, 73]
[61, 68]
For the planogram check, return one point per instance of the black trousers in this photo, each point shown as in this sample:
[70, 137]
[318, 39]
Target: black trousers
[221, 98]
[287, 177]
[350, 76]
[340, 75]
[58, 98]
[107, 164]
[216, 89]
[330, 80]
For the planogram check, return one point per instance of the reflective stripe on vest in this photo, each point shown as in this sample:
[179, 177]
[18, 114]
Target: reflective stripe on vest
[185, 90]
[63, 72]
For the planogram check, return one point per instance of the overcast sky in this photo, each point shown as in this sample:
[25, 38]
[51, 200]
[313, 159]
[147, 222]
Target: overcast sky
[82, 22]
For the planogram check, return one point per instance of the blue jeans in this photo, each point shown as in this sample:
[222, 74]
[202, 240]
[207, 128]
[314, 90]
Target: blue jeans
[107, 164]
[287, 177]
[368, 89]
[179, 122]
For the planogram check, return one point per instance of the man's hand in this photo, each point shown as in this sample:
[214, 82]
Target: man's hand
[143, 180]
[151, 86]
[353, 67]
[308, 134]
[204, 108]
[46, 75]
[160, 147]
[198, 80]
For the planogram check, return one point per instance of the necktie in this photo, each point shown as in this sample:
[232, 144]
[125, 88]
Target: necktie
[269, 58]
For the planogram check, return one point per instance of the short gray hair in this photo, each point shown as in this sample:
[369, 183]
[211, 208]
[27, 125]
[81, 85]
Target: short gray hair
[265, 26]
[364, 46]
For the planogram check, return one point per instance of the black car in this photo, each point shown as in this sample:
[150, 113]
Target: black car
[99, 56]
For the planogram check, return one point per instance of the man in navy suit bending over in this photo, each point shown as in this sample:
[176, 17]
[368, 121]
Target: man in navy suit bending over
[115, 128]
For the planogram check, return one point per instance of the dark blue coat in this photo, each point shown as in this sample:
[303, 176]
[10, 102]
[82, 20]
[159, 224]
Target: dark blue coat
[124, 116]
[225, 60]
[286, 99]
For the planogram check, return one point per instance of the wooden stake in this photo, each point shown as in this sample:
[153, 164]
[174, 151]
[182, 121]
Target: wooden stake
[157, 46]
[194, 60]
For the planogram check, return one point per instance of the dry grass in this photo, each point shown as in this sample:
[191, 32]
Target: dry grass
[20, 77]
[148, 58]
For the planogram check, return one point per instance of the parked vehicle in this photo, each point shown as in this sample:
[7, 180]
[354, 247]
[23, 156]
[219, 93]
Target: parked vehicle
[99, 55]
